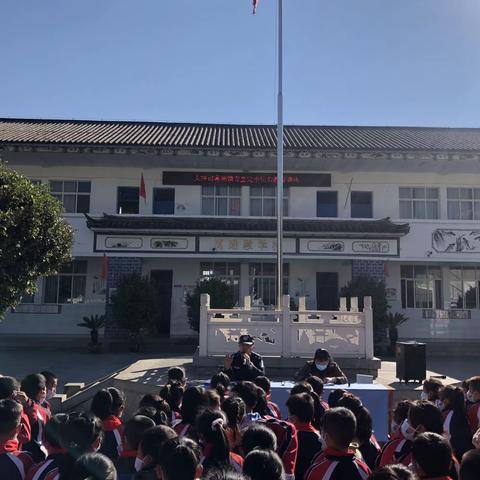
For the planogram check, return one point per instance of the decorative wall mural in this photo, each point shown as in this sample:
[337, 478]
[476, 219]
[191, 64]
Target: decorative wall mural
[123, 242]
[326, 246]
[456, 241]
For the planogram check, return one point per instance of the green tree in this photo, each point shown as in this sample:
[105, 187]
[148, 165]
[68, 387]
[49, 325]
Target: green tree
[35, 239]
[221, 296]
[135, 304]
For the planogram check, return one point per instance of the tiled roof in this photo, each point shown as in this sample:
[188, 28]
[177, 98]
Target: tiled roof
[245, 224]
[198, 136]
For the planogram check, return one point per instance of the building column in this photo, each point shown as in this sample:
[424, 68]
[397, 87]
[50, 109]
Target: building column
[118, 267]
[244, 282]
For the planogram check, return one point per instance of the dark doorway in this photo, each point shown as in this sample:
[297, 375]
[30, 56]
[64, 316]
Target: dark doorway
[327, 291]
[163, 201]
[162, 279]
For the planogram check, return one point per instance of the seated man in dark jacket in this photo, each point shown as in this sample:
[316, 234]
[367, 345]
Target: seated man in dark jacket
[244, 365]
[322, 366]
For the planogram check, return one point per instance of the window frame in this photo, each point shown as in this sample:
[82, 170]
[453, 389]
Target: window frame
[463, 281]
[423, 201]
[61, 195]
[352, 204]
[216, 197]
[81, 274]
[409, 288]
[130, 187]
[473, 201]
[326, 192]
[231, 279]
[262, 198]
[266, 279]
[155, 189]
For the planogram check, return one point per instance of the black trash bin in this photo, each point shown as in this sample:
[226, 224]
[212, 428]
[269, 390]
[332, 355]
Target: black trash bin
[411, 361]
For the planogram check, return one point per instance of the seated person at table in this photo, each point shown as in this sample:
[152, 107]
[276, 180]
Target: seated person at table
[244, 364]
[323, 367]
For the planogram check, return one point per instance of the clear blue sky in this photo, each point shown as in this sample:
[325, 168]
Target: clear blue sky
[347, 62]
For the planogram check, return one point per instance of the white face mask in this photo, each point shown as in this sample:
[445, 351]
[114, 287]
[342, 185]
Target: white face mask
[138, 464]
[321, 366]
[407, 431]
[424, 396]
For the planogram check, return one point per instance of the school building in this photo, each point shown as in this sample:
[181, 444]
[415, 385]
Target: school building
[395, 203]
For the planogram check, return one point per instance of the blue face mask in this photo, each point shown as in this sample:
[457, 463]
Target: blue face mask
[321, 366]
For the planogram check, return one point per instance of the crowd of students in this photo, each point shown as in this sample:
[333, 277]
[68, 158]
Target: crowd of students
[233, 431]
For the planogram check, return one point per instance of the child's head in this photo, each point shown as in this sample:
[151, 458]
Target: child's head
[172, 393]
[431, 389]
[211, 427]
[473, 394]
[54, 437]
[118, 401]
[470, 467]
[400, 413]
[316, 384]
[264, 383]
[234, 409]
[431, 455]
[222, 474]
[339, 428]
[151, 443]
[362, 415]
[220, 382]
[424, 417]
[304, 387]
[10, 417]
[134, 430]
[93, 466]
[52, 383]
[158, 417]
[258, 436]
[301, 408]
[178, 459]
[82, 434]
[35, 387]
[177, 374]
[247, 391]
[214, 399]
[194, 400]
[163, 413]
[335, 396]
[108, 402]
[453, 398]
[8, 387]
[263, 464]
[392, 472]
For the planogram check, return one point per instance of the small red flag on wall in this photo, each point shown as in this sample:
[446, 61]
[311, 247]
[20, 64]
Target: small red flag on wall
[104, 273]
[143, 192]
[255, 3]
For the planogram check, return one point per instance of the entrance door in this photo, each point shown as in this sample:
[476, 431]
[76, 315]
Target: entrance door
[327, 290]
[162, 279]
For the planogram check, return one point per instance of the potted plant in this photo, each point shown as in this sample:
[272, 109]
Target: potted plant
[393, 321]
[94, 323]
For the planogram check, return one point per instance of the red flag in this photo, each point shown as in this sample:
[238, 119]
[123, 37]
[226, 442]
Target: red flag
[143, 192]
[104, 273]
[255, 3]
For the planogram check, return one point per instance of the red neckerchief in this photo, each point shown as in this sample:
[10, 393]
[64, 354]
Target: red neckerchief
[111, 423]
[305, 427]
[129, 453]
[9, 446]
[330, 452]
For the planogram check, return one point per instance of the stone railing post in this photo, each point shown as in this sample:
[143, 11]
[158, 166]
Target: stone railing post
[203, 328]
[302, 307]
[368, 313]
[354, 304]
[343, 304]
[286, 324]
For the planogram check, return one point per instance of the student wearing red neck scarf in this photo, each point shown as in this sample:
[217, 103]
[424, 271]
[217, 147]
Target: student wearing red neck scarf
[431, 457]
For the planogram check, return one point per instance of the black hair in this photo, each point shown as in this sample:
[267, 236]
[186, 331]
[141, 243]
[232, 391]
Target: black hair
[392, 472]
[8, 385]
[234, 409]
[220, 382]
[178, 459]
[118, 398]
[135, 428]
[93, 466]
[400, 413]
[470, 467]
[263, 464]
[176, 374]
[263, 382]
[335, 396]
[262, 407]
[258, 436]
[158, 417]
[214, 399]
[49, 376]
[432, 453]
[362, 415]
[55, 430]
[341, 426]
[10, 416]
[33, 384]
[223, 474]
[322, 355]
[474, 384]
[316, 384]
[318, 410]
[173, 393]
[426, 414]
[301, 406]
[432, 385]
[194, 400]
[154, 438]
[160, 405]
[247, 391]
[455, 398]
[211, 426]
[102, 404]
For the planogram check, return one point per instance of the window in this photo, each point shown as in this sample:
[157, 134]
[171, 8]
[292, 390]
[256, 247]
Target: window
[463, 203]
[361, 204]
[127, 199]
[421, 286]
[463, 285]
[263, 201]
[327, 204]
[419, 202]
[163, 201]
[69, 286]
[36, 182]
[228, 272]
[74, 195]
[263, 282]
[221, 200]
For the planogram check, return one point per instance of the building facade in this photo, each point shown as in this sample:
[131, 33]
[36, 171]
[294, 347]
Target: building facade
[393, 203]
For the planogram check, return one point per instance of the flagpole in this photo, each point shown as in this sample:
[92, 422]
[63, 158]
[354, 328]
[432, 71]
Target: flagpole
[280, 158]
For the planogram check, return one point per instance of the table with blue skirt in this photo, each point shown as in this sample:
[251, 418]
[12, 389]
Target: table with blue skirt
[377, 398]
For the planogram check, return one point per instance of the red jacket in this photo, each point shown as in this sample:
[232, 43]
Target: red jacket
[395, 451]
[47, 470]
[38, 416]
[336, 465]
[113, 441]
[25, 434]
[473, 414]
[14, 464]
